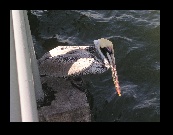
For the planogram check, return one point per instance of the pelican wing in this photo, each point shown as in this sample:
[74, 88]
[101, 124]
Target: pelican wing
[60, 50]
[65, 61]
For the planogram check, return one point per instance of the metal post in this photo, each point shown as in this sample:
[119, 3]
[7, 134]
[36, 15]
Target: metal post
[15, 113]
[24, 69]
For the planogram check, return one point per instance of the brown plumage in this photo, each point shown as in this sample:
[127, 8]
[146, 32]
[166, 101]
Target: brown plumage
[64, 61]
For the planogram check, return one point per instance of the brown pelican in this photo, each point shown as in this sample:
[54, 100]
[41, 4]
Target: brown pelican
[71, 61]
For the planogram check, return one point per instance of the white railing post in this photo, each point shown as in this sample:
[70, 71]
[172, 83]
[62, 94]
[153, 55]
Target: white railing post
[15, 110]
[24, 67]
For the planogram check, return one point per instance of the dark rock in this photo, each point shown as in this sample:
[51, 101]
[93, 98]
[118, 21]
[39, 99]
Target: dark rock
[70, 104]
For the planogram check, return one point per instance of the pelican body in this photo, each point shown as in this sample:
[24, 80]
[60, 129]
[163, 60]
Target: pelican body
[71, 61]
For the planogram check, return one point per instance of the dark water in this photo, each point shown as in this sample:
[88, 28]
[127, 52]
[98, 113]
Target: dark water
[136, 38]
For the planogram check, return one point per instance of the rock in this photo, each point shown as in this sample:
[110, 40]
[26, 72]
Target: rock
[70, 104]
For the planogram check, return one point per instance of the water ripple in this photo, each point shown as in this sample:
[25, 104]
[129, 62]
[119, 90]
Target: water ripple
[121, 37]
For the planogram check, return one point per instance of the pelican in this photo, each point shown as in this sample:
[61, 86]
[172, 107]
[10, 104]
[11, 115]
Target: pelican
[72, 61]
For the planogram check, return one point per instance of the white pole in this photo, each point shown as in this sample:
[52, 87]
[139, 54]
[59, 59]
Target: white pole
[24, 70]
[15, 113]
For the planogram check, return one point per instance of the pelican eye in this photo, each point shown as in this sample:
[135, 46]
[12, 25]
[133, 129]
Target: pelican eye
[106, 50]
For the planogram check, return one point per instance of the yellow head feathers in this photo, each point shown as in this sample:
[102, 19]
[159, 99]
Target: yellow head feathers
[105, 43]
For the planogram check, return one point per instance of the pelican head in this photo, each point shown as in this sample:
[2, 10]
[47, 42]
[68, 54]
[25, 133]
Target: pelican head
[106, 51]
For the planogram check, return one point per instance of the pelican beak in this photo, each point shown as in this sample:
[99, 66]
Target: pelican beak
[110, 55]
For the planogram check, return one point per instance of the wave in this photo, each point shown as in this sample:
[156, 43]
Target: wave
[38, 12]
[150, 103]
[125, 38]
[96, 15]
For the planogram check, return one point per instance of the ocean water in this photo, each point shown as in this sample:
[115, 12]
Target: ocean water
[135, 35]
